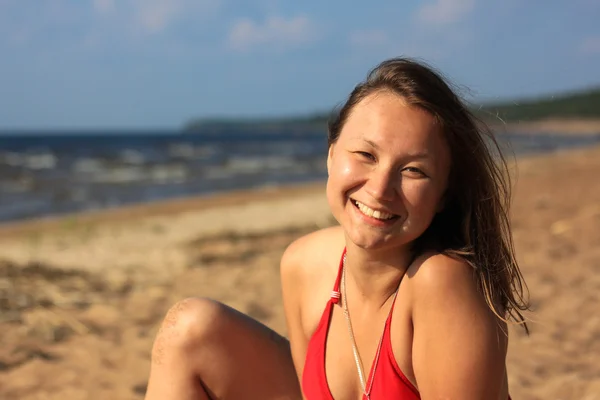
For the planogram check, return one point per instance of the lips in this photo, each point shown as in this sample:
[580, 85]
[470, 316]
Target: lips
[369, 212]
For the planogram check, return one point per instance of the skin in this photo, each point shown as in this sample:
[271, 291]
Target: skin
[393, 158]
[206, 350]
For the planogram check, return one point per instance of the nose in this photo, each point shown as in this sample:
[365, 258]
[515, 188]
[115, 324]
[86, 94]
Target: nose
[382, 184]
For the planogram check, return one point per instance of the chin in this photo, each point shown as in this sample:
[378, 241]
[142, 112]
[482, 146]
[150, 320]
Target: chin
[368, 238]
[369, 242]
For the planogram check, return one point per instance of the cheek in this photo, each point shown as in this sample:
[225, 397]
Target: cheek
[421, 197]
[343, 172]
[343, 176]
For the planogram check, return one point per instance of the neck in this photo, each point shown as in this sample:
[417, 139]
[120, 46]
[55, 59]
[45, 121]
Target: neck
[376, 274]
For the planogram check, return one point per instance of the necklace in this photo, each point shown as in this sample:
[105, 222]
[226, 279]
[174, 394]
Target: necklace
[357, 359]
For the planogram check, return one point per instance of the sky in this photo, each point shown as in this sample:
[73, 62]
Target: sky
[156, 64]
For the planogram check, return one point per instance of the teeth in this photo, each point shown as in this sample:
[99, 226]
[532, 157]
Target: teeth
[373, 213]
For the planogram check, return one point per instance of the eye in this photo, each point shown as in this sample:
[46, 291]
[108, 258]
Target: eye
[414, 171]
[366, 155]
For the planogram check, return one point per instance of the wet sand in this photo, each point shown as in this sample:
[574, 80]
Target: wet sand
[81, 296]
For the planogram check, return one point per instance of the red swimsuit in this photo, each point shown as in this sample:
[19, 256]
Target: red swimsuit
[389, 381]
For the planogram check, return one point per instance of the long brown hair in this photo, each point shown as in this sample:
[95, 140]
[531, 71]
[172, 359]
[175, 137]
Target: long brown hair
[474, 224]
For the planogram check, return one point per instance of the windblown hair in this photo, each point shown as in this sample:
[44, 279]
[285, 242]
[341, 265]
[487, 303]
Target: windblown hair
[474, 224]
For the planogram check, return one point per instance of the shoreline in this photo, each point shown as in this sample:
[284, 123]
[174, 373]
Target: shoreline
[566, 127]
[159, 208]
[177, 205]
[96, 185]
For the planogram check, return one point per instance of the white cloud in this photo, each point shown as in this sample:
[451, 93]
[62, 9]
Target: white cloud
[154, 16]
[275, 31]
[590, 45]
[445, 11]
[368, 38]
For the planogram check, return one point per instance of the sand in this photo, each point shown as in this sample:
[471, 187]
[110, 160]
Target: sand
[578, 127]
[81, 297]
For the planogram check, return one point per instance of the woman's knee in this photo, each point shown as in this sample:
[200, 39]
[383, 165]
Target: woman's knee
[189, 323]
[214, 343]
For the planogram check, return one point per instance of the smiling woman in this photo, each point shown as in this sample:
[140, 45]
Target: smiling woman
[392, 158]
[422, 268]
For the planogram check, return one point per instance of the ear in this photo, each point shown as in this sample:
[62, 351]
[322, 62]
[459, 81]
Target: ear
[329, 157]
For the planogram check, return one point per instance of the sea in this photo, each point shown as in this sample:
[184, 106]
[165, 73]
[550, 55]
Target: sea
[53, 173]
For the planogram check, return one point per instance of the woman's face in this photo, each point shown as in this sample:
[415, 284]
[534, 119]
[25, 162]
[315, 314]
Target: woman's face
[388, 172]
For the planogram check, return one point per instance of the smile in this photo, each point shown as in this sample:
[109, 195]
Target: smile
[369, 212]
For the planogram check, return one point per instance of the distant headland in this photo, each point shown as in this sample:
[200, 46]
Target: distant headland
[576, 111]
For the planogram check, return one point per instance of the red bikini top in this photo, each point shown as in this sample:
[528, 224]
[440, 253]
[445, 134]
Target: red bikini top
[388, 383]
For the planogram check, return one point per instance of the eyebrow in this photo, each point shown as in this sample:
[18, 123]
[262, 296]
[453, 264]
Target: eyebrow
[372, 144]
[412, 155]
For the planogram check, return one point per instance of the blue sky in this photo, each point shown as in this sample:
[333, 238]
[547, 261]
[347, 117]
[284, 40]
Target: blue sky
[158, 63]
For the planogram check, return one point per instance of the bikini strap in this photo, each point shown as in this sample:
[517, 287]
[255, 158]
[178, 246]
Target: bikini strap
[335, 293]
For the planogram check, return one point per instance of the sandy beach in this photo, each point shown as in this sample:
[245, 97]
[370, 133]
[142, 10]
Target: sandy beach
[81, 296]
[552, 126]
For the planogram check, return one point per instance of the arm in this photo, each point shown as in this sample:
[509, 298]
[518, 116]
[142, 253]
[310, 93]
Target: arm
[459, 345]
[292, 285]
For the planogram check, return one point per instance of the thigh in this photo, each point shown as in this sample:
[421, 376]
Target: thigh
[231, 355]
[255, 360]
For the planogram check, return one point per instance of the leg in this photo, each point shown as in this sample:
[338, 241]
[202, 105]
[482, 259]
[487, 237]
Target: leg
[206, 350]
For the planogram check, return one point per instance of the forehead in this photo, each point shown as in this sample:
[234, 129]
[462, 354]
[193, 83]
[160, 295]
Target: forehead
[387, 120]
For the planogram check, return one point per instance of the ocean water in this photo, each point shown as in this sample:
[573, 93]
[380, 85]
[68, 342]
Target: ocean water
[54, 173]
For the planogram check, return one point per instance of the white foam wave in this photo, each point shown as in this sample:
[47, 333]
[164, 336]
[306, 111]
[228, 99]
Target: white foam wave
[35, 161]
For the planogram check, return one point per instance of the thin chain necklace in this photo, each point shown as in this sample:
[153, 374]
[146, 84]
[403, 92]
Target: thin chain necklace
[357, 359]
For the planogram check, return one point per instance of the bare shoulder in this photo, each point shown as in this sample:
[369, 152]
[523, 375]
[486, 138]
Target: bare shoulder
[459, 344]
[306, 256]
[445, 292]
[439, 274]
[308, 271]
[440, 284]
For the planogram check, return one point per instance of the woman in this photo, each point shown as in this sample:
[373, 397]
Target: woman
[422, 268]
